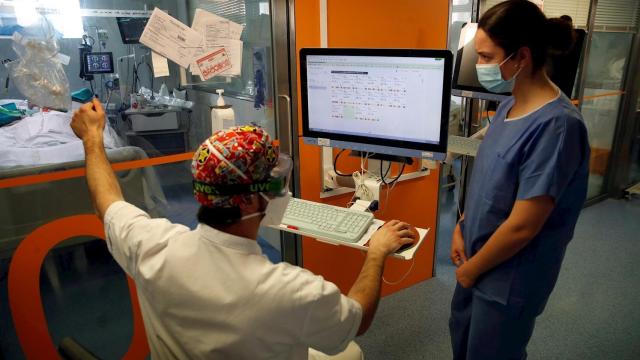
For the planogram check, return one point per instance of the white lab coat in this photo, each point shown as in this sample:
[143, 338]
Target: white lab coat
[209, 294]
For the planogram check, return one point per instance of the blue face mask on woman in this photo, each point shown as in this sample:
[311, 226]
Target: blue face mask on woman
[490, 77]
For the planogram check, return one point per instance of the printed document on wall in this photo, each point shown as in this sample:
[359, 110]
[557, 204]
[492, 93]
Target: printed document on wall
[213, 64]
[234, 51]
[171, 38]
[160, 65]
[217, 33]
[214, 27]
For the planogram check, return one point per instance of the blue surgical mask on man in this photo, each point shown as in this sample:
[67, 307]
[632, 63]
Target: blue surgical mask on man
[490, 77]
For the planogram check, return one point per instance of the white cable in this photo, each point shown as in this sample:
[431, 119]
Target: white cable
[413, 262]
[386, 200]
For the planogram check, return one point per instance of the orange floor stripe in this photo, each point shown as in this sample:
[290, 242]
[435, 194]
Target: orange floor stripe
[135, 164]
[615, 93]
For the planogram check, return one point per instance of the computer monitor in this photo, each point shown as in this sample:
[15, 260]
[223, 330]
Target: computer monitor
[131, 28]
[383, 101]
[465, 78]
[98, 63]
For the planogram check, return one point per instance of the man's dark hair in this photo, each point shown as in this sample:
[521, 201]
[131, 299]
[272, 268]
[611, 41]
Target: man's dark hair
[218, 216]
[515, 24]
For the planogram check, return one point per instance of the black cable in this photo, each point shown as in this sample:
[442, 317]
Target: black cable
[137, 67]
[150, 75]
[134, 85]
[136, 76]
[128, 72]
[386, 173]
[6, 81]
[388, 169]
[404, 163]
[335, 161]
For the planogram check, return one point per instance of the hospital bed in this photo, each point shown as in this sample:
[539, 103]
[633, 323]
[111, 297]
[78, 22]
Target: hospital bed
[44, 143]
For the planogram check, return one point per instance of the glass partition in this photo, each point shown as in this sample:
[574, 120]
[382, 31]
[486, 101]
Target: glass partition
[249, 88]
[41, 140]
[607, 63]
[254, 79]
[250, 91]
[461, 11]
[83, 291]
[603, 92]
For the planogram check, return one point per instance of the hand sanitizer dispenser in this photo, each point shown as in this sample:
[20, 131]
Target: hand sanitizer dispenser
[222, 115]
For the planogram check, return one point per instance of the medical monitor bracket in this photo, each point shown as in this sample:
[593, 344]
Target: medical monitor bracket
[465, 78]
[384, 101]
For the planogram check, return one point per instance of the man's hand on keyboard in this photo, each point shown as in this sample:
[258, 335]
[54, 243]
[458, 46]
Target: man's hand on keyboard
[390, 237]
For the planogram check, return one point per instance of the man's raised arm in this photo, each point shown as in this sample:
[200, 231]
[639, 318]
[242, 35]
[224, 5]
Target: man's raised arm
[88, 124]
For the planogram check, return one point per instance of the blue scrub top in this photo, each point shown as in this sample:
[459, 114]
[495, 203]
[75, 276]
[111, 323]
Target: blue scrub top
[545, 152]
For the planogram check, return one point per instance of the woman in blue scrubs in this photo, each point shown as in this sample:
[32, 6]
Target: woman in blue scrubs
[528, 185]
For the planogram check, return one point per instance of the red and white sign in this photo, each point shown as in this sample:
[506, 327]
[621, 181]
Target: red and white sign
[213, 63]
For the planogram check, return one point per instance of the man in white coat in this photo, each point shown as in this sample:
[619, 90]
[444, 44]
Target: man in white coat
[210, 293]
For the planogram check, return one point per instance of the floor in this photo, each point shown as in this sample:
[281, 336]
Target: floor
[594, 313]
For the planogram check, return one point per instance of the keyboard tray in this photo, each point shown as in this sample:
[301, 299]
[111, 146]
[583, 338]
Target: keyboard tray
[407, 254]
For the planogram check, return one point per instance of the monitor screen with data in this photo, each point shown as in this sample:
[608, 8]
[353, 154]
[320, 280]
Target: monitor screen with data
[98, 63]
[384, 99]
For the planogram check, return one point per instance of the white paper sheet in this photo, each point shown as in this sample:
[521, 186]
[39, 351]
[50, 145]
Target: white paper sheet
[171, 38]
[218, 32]
[160, 65]
[214, 27]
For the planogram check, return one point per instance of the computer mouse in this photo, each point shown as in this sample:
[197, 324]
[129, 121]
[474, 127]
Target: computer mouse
[416, 237]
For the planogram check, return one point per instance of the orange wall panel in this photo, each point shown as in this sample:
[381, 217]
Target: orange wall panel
[382, 24]
[388, 24]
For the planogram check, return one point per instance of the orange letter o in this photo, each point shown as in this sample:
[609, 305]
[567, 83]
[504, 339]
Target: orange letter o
[24, 287]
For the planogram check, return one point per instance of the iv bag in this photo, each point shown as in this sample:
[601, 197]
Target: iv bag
[38, 73]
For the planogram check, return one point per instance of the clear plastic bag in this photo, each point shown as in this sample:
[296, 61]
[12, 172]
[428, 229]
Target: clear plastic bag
[38, 73]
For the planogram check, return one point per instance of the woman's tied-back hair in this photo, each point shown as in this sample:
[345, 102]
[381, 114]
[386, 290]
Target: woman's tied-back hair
[515, 24]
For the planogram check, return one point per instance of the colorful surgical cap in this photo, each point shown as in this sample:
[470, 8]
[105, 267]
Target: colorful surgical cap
[239, 155]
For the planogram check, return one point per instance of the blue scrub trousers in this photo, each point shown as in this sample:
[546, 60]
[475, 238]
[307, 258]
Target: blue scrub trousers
[482, 329]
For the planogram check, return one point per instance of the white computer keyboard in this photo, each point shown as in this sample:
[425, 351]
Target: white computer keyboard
[326, 221]
[463, 145]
